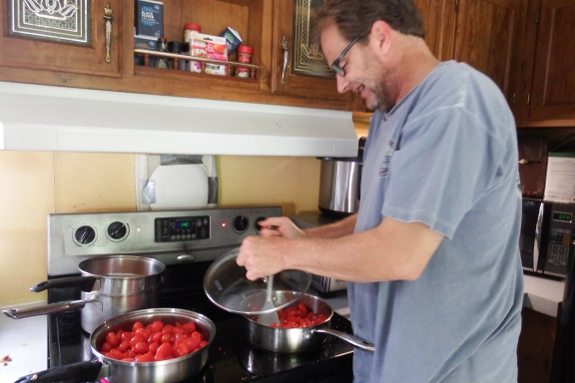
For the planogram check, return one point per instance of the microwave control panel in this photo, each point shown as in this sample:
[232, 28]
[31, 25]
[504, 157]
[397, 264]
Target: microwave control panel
[560, 240]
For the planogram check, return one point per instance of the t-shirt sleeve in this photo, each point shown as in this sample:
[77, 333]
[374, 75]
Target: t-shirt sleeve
[442, 165]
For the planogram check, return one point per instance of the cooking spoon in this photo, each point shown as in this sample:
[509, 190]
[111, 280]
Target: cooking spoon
[272, 317]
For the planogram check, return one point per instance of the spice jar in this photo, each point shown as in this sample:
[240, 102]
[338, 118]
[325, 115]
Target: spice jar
[189, 31]
[244, 57]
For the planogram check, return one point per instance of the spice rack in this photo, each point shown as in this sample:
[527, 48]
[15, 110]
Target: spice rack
[253, 69]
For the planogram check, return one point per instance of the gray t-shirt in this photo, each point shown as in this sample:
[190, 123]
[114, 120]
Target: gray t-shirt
[445, 155]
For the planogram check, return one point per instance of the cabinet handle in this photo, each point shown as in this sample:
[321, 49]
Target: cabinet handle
[286, 59]
[109, 17]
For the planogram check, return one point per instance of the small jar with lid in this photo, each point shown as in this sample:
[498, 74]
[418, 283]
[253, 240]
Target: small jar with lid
[245, 57]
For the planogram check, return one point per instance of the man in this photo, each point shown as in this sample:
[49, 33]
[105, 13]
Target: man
[432, 256]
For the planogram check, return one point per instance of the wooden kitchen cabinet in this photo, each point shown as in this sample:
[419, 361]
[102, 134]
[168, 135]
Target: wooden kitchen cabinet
[287, 82]
[535, 347]
[481, 33]
[258, 22]
[21, 52]
[546, 92]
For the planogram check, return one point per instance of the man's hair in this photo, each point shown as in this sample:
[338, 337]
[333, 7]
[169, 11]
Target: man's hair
[355, 17]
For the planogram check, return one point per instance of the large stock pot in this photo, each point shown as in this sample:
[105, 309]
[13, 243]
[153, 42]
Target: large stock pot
[111, 285]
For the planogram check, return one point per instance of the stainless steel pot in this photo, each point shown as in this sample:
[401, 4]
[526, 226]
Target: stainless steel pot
[340, 179]
[111, 285]
[291, 340]
[168, 371]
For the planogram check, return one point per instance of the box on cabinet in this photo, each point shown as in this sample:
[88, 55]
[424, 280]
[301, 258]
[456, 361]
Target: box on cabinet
[145, 42]
[149, 18]
[210, 47]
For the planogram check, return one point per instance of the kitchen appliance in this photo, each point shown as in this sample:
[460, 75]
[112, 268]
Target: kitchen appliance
[327, 287]
[187, 242]
[546, 238]
[339, 185]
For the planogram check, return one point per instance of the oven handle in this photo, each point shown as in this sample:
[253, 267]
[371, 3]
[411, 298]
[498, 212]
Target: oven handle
[51, 308]
[83, 372]
[86, 283]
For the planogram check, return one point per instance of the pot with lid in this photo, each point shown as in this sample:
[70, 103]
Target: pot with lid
[340, 179]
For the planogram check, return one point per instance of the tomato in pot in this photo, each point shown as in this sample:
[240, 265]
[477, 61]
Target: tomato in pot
[154, 342]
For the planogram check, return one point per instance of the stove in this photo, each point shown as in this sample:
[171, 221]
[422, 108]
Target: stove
[187, 242]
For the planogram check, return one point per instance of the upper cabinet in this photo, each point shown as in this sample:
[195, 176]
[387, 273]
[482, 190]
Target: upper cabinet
[57, 36]
[546, 92]
[106, 59]
[296, 62]
[482, 33]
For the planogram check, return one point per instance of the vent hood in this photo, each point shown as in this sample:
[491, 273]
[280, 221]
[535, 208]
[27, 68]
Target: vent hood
[49, 118]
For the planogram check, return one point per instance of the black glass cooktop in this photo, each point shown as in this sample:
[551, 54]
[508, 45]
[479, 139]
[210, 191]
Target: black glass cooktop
[231, 357]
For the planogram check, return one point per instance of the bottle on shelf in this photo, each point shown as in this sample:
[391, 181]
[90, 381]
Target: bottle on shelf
[163, 62]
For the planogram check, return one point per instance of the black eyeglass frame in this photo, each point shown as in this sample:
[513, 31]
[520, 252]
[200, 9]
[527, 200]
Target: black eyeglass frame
[335, 65]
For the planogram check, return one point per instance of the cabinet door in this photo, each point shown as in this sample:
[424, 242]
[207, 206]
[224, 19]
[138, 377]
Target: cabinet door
[18, 51]
[553, 90]
[285, 81]
[486, 38]
[440, 21]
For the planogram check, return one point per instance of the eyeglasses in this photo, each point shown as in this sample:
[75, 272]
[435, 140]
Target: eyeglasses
[335, 66]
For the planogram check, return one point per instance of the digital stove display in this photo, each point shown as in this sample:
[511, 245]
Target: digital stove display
[182, 229]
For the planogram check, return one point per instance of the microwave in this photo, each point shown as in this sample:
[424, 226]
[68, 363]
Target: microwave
[546, 239]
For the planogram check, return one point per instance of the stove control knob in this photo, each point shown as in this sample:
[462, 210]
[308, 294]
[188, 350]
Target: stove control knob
[240, 223]
[117, 230]
[85, 235]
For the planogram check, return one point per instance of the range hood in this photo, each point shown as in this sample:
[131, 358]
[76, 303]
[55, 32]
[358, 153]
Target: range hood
[49, 118]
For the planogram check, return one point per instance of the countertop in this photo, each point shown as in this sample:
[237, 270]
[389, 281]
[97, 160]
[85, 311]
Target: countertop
[25, 340]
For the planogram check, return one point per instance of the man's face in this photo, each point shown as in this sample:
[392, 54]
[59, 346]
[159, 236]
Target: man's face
[364, 72]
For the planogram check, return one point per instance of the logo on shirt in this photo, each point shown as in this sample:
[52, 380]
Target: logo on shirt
[384, 166]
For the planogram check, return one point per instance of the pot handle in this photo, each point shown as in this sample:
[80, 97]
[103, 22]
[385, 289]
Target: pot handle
[82, 372]
[51, 308]
[351, 339]
[85, 283]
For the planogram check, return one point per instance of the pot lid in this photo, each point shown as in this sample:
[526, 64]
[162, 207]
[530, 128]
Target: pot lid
[226, 285]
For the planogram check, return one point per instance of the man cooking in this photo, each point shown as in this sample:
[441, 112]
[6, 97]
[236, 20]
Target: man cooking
[432, 257]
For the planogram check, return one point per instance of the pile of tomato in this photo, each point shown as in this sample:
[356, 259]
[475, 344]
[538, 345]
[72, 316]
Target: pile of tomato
[154, 342]
[298, 316]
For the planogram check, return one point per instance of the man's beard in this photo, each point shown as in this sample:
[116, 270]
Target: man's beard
[384, 100]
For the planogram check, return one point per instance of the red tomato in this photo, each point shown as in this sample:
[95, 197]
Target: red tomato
[181, 349]
[154, 347]
[194, 340]
[167, 338]
[164, 352]
[124, 346]
[115, 354]
[127, 335]
[141, 347]
[135, 340]
[167, 329]
[302, 309]
[147, 357]
[189, 327]
[156, 337]
[113, 339]
[137, 325]
[144, 333]
[156, 326]
[106, 347]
